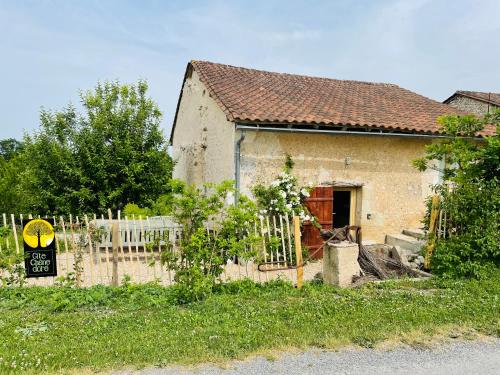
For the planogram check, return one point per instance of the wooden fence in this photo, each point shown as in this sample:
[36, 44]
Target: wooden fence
[89, 254]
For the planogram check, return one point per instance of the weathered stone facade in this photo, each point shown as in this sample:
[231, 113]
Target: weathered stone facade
[475, 106]
[389, 192]
[203, 146]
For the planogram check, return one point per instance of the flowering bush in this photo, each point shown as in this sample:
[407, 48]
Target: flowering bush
[284, 196]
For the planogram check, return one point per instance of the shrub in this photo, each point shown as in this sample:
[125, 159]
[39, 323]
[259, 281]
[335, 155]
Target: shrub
[470, 196]
[212, 233]
[11, 262]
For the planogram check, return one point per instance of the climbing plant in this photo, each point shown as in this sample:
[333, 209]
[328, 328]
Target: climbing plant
[283, 196]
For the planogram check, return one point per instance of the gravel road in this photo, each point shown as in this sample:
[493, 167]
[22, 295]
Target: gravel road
[480, 357]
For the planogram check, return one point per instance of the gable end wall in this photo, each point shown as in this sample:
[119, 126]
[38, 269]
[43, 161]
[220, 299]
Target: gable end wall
[471, 105]
[203, 141]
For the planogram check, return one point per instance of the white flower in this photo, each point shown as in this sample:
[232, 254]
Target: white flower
[275, 183]
[305, 193]
[261, 217]
[289, 206]
[307, 218]
[283, 194]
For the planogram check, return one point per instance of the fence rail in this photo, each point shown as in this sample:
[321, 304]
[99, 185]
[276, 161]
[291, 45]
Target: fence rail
[88, 253]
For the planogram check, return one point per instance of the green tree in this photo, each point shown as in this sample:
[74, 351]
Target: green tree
[110, 154]
[470, 195]
[9, 148]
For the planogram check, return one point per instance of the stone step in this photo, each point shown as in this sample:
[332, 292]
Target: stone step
[417, 233]
[404, 241]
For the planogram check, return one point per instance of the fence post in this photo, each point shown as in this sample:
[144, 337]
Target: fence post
[116, 244]
[298, 250]
[432, 229]
[14, 230]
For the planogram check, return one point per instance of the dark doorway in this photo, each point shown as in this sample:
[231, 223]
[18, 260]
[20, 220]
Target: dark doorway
[341, 208]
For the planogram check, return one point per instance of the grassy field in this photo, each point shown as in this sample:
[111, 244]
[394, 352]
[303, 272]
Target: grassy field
[65, 330]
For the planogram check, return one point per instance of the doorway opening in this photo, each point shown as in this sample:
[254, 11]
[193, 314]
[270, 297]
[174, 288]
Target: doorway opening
[341, 208]
[334, 207]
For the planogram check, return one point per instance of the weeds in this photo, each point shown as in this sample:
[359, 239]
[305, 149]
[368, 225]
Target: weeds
[67, 328]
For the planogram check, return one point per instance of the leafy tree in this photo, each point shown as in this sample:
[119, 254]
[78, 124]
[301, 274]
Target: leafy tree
[111, 154]
[11, 194]
[470, 195]
[9, 148]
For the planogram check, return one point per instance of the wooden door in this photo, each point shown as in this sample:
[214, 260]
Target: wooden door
[320, 204]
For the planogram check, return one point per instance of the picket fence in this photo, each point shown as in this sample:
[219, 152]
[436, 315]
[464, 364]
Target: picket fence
[87, 253]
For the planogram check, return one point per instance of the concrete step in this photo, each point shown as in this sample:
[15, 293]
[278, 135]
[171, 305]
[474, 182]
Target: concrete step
[417, 233]
[404, 241]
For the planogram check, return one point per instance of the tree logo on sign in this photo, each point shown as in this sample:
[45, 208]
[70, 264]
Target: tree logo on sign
[38, 234]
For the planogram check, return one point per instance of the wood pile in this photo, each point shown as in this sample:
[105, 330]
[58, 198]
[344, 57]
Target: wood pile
[372, 265]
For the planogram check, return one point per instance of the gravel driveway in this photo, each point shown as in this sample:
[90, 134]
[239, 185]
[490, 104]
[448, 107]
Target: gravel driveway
[481, 357]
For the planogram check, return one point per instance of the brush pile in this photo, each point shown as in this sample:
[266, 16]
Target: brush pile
[374, 266]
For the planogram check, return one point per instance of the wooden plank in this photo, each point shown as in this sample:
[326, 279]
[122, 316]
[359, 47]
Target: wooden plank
[58, 251]
[129, 242]
[152, 249]
[432, 230]
[6, 226]
[285, 260]
[14, 231]
[256, 234]
[146, 259]
[66, 248]
[137, 247]
[91, 252]
[115, 245]
[121, 240]
[298, 250]
[104, 239]
[76, 268]
[264, 249]
[98, 253]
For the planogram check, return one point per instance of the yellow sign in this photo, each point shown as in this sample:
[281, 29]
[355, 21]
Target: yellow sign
[38, 233]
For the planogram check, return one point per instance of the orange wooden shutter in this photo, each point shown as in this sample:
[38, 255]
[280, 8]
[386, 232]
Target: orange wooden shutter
[320, 204]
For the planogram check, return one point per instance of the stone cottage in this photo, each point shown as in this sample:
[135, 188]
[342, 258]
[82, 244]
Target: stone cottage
[478, 103]
[355, 141]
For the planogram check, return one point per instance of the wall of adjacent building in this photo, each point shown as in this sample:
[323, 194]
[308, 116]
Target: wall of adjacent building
[471, 105]
[392, 191]
[203, 141]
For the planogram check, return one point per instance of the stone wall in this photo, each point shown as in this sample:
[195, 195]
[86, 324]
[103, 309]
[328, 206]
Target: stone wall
[392, 192]
[203, 142]
[474, 106]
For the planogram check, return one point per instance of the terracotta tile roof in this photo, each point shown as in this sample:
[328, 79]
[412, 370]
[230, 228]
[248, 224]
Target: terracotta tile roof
[248, 95]
[488, 97]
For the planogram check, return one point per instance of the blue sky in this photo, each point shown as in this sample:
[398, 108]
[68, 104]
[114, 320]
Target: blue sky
[51, 49]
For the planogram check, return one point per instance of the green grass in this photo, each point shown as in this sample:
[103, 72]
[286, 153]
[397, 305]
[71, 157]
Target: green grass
[63, 329]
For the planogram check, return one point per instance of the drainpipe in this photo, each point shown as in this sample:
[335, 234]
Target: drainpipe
[237, 161]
